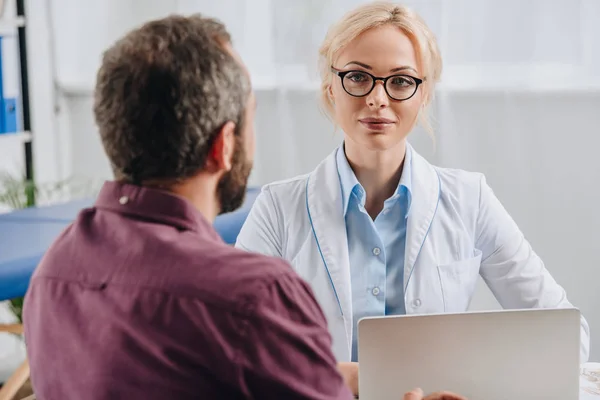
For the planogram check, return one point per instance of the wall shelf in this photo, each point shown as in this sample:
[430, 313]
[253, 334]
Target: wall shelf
[23, 137]
[7, 24]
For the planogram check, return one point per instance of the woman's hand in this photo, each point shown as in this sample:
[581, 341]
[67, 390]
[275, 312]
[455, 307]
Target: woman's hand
[417, 394]
[349, 371]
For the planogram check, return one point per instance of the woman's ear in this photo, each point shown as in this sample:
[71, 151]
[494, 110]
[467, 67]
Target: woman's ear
[425, 100]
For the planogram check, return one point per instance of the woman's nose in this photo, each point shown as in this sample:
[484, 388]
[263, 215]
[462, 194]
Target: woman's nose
[378, 97]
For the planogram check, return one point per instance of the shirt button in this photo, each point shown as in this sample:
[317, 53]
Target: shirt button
[376, 251]
[416, 303]
[124, 200]
[386, 211]
[375, 291]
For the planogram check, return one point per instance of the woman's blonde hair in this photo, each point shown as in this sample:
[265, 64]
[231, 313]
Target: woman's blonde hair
[373, 15]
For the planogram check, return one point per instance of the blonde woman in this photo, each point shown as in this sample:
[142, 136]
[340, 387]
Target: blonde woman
[375, 229]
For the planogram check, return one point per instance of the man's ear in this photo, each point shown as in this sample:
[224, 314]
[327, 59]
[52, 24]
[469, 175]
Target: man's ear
[220, 157]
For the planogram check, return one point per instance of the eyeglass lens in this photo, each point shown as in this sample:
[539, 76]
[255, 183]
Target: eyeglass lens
[398, 87]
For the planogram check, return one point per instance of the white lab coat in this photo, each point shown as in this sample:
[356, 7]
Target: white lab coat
[457, 230]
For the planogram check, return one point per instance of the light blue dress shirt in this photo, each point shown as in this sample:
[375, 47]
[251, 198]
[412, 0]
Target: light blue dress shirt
[376, 247]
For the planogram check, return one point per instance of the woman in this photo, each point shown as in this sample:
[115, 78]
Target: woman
[375, 229]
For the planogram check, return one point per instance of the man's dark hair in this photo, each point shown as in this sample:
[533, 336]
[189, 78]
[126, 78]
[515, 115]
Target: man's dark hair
[162, 94]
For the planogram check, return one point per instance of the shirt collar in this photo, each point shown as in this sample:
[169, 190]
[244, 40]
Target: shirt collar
[350, 185]
[348, 180]
[152, 205]
[406, 178]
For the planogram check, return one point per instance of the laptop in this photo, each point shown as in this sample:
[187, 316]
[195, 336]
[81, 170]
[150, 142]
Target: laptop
[493, 355]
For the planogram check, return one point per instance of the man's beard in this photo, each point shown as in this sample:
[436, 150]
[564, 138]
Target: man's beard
[231, 189]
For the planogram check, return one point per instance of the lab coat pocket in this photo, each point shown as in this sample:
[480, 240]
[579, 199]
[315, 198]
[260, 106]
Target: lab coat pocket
[457, 281]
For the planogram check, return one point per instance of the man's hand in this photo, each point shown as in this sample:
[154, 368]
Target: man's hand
[349, 371]
[417, 394]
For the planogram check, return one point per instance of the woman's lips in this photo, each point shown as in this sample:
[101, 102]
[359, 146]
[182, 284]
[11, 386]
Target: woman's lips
[376, 124]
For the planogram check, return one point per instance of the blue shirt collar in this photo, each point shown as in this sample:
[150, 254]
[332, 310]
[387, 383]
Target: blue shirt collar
[351, 186]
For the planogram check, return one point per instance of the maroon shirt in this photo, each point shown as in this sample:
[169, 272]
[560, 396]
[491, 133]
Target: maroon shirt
[141, 299]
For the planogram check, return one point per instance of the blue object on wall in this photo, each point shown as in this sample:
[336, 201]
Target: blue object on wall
[9, 115]
[8, 106]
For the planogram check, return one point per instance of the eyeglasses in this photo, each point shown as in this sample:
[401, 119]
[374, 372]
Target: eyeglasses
[360, 83]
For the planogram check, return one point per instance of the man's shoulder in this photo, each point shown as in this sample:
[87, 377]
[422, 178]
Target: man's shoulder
[249, 268]
[185, 265]
[254, 264]
[224, 276]
[261, 281]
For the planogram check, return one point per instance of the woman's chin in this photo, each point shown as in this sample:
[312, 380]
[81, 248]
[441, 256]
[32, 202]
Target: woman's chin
[379, 142]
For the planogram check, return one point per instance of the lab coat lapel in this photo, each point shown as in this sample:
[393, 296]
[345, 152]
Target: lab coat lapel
[425, 199]
[325, 209]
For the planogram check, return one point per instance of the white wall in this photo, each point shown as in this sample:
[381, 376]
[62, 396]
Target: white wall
[50, 142]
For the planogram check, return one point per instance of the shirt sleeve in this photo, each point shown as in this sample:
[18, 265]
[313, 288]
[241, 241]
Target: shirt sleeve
[261, 232]
[289, 354]
[512, 270]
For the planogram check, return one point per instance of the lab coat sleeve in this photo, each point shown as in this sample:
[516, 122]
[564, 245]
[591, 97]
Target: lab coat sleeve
[512, 270]
[261, 232]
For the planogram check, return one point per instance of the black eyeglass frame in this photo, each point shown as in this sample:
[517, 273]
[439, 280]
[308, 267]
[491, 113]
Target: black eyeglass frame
[342, 74]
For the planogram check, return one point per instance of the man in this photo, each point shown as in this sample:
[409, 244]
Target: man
[139, 298]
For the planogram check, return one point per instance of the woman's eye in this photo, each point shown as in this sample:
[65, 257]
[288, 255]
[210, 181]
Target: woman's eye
[402, 81]
[357, 77]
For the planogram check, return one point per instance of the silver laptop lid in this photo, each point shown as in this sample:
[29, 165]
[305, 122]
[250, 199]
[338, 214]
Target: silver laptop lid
[495, 355]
